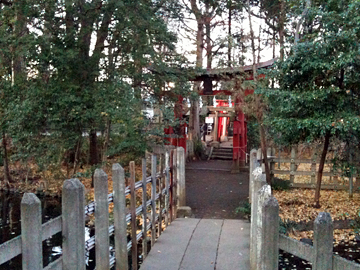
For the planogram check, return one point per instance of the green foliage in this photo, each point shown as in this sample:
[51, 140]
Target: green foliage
[199, 149]
[287, 226]
[253, 135]
[280, 184]
[319, 83]
[70, 85]
[244, 209]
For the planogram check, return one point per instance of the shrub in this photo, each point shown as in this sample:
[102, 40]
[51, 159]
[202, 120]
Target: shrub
[244, 209]
[280, 184]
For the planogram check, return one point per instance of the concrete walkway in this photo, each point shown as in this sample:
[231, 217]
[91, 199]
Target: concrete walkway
[212, 191]
[201, 244]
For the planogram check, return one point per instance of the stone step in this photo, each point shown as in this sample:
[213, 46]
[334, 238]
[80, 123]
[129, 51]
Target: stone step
[226, 157]
[222, 150]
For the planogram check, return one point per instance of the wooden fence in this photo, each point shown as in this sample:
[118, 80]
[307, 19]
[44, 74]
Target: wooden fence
[155, 213]
[265, 240]
[280, 165]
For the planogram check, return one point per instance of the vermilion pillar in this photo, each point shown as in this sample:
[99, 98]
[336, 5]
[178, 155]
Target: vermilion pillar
[177, 137]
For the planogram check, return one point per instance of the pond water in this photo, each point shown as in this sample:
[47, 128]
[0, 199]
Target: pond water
[10, 226]
[348, 250]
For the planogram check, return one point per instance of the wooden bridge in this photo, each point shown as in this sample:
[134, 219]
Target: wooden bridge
[201, 244]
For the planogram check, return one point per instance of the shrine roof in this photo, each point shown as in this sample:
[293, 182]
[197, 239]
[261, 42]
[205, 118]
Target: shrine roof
[227, 73]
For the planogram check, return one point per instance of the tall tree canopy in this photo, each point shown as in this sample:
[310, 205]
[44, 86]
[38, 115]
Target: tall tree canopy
[318, 94]
[72, 70]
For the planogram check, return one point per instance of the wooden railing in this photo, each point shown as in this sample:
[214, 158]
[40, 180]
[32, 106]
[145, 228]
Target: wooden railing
[265, 240]
[292, 169]
[155, 212]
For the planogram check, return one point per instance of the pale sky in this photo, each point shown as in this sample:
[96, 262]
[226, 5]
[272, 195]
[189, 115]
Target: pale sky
[188, 47]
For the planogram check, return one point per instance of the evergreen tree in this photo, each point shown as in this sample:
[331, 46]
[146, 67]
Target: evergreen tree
[318, 94]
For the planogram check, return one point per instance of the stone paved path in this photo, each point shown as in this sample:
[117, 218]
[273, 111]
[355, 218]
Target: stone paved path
[201, 244]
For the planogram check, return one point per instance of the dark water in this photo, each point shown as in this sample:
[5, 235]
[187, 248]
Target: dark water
[348, 250]
[10, 226]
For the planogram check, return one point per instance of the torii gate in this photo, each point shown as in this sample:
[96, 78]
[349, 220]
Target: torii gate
[240, 125]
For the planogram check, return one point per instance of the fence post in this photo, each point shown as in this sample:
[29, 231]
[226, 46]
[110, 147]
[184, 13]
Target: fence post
[323, 242]
[351, 179]
[160, 203]
[272, 164]
[153, 199]
[167, 187]
[253, 161]
[133, 216]
[313, 168]
[144, 209]
[31, 234]
[121, 253]
[73, 225]
[174, 184]
[258, 182]
[292, 164]
[262, 195]
[102, 241]
[181, 191]
[268, 153]
[270, 235]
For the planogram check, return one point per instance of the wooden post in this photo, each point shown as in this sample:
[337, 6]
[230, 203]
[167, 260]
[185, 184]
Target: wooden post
[259, 155]
[252, 165]
[121, 252]
[270, 235]
[292, 164]
[351, 178]
[171, 191]
[73, 225]
[313, 169]
[180, 164]
[268, 153]
[262, 195]
[216, 124]
[279, 157]
[323, 242]
[272, 164]
[153, 199]
[31, 233]
[174, 185]
[102, 244]
[161, 169]
[258, 183]
[144, 210]
[167, 187]
[133, 216]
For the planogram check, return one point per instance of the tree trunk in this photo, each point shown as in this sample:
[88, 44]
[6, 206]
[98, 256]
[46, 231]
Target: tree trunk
[77, 154]
[194, 121]
[258, 106]
[281, 29]
[259, 45]
[229, 35]
[321, 168]
[107, 139]
[208, 46]
[7, 176]
[94, 156]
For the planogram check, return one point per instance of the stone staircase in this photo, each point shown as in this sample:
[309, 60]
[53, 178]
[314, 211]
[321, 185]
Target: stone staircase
[222, 153]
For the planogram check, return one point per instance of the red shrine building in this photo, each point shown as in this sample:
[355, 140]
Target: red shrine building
[225, 120]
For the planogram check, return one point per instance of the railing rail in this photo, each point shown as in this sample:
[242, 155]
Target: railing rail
[276, 162]
[163, 200]
[265, 240]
